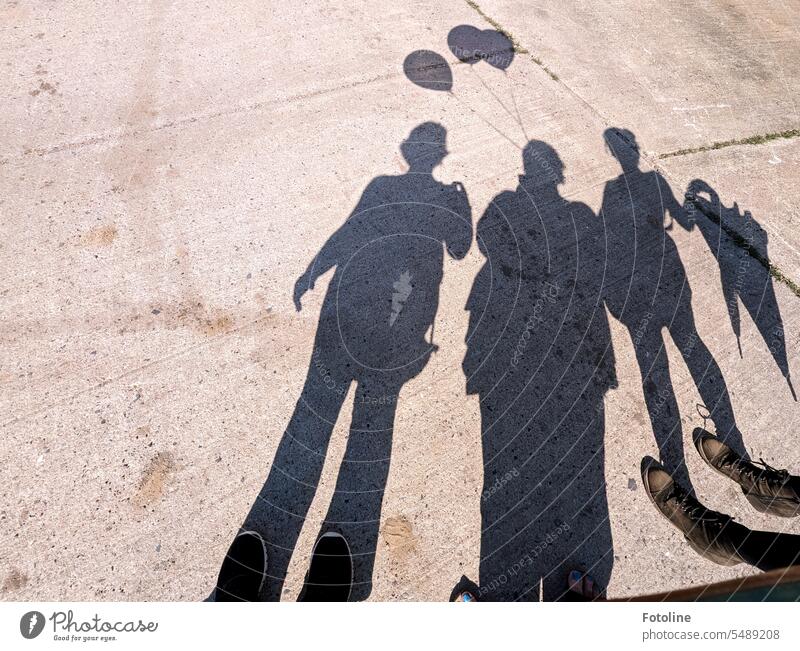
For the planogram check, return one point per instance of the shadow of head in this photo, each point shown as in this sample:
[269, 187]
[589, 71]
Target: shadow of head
[542, 163]
[622, 145]
[425, 147]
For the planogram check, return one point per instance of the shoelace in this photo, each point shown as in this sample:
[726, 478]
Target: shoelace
[694, 509]
[767, 473]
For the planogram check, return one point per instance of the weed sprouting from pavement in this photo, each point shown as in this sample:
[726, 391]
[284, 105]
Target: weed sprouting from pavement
[743, 243]
[514, 42]
[750, 140]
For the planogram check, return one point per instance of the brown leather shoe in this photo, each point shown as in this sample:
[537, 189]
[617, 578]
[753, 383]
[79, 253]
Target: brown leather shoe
[769, 490]
[709, 533]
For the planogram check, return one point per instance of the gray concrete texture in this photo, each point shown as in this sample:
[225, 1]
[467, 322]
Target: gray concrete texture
[169, 169]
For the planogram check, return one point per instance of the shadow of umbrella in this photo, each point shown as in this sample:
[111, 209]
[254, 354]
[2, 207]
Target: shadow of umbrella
[740, 245]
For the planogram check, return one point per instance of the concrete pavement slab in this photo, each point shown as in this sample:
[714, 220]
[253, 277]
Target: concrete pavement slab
[681, 74]
[159, 205]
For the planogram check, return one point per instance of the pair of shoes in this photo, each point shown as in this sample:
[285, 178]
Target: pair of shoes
[244, 570]
[768, 490]
[711, 534]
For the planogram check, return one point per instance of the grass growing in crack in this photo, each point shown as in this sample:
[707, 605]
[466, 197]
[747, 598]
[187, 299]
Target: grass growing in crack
[752, 140]
[539, 63]
[742, 243]
[518, 49]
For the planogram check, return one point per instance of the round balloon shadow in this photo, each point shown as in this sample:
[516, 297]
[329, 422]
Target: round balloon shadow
[470, 45]
[428, 70]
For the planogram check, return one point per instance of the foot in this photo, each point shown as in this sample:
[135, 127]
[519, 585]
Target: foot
[584, 587]
[244, 569]
[769, 490]
[709, 533]
[465, 591]
[330, 576]
[465, 597]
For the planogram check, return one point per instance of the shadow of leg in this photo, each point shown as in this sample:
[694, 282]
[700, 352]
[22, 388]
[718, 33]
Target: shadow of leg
[280, 509]
[662, 407]
[355, 509]
[707, 375]
[582, 540]
[504, 553]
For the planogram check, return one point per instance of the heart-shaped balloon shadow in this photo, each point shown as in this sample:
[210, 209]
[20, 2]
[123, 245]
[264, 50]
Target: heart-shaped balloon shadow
[470, 45]
[429, 70]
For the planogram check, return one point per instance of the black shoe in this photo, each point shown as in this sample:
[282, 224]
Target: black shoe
[769, 490]
[330, 576]
[244, 569]
[709, 533]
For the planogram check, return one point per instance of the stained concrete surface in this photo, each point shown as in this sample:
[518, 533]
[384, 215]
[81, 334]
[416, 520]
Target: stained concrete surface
[169, 170]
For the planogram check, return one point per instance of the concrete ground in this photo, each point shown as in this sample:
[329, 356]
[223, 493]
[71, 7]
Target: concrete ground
[169, 169]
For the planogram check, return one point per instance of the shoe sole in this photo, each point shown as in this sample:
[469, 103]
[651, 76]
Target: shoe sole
[759, 505]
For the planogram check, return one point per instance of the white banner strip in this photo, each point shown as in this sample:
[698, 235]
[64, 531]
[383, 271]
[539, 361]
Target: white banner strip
[401, 626]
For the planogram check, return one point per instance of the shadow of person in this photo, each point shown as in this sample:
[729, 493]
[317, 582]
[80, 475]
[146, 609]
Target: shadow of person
[539, 357]
[739, 244]
[649, 292]
[380, 304]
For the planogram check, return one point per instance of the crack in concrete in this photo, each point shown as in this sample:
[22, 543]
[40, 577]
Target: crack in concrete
[518, 48]
[737, 238]
[750, 140]
[181, 121]
[742, 242]
[185, 120]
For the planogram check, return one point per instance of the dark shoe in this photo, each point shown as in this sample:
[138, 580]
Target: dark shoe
[709, 533]
[330, 576]
[769, 490]
[244, 569]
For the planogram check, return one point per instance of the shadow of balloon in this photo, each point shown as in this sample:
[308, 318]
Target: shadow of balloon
[471, 45]
[428, 70]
